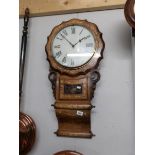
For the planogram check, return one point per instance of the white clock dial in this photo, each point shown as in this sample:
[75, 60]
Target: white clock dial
[73, 46]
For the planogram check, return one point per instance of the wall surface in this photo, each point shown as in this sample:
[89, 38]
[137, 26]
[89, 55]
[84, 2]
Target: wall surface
[113, 118]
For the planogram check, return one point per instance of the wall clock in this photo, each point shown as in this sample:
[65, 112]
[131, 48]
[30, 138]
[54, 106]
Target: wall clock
[74, 49]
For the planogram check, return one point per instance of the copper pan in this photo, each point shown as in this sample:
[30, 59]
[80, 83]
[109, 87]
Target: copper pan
[27, 132]
[27, 127]
[68, 152]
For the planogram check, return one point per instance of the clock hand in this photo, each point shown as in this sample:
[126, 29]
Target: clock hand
[67, 40]
[84, 38]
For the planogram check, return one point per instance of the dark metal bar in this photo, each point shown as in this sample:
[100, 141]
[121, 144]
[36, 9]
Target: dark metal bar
[27, 127]
[23, 52]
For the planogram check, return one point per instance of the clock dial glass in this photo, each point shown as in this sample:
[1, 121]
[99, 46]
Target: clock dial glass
[73, 46]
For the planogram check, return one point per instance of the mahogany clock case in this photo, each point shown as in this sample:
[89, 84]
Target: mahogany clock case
[73, 88]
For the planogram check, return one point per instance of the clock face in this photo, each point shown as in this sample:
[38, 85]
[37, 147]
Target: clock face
[73, 46]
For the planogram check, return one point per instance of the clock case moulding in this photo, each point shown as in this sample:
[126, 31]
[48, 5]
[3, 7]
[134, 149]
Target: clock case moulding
[73, 110]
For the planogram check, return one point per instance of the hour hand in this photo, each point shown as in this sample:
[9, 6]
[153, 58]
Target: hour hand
[67, 40]
[84, 38]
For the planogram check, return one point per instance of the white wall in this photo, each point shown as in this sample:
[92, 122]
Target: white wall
[113, 118]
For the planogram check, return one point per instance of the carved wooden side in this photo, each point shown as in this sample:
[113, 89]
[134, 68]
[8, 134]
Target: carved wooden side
[52, 77]
[94, 78]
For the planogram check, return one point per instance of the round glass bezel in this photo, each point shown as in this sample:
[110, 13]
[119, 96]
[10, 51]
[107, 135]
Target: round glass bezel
[93, 61]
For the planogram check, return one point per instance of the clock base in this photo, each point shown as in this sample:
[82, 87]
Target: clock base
[73, 123]
[74, 134]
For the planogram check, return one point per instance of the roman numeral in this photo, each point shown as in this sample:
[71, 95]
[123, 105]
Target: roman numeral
[65, 32]
[57, 55]
[89, 44]
[64, 60]
[88, 37]
[72, 62]
[59, 38]
[73, 30]
[57, 46]
[81, 32]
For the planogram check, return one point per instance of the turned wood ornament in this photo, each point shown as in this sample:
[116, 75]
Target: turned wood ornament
[74, 49]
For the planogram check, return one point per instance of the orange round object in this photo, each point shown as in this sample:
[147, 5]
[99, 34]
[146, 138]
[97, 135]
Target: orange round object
[27, 132]
[67, 152]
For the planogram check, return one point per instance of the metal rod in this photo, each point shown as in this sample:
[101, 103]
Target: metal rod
[23, 52]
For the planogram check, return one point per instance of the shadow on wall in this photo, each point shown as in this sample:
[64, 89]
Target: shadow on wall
[124, 50]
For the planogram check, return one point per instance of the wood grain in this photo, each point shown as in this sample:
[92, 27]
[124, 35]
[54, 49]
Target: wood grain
[73, 109]
[53, 7]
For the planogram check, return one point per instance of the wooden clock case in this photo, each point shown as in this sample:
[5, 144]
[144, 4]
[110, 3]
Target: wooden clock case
[73, 88]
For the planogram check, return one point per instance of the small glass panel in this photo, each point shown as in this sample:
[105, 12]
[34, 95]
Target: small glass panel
[73, 89]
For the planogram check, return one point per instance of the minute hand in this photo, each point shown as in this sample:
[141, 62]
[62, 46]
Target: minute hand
[67, 40]
[82, 39]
